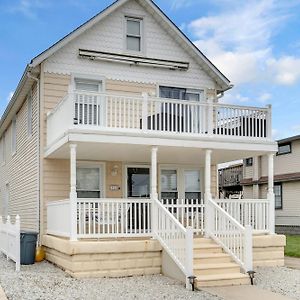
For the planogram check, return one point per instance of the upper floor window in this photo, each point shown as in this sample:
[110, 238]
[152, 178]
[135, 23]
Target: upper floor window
[88, 85]
[249, 162]
[29, 115]
[180, 93]
[284, 149]
[133, 34]
[14, 135]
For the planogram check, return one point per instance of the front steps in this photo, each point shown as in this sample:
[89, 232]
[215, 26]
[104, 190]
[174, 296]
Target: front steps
[214, 267]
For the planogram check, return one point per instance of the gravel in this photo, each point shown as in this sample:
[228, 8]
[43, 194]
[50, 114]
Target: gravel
[279, 280]
[44, 281]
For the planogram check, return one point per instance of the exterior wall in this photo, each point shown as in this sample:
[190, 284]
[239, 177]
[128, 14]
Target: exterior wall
[55, 174]
[108, 36]
[20, 170]
[289, 215]
[104, 258]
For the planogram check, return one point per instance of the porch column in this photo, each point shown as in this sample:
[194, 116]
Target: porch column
[207, 193]
[271, 196]
[73, 194]
[154, 194]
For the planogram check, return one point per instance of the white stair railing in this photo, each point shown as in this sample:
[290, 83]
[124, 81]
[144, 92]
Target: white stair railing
[234, 238]
[175, 239]
[254, 212]
[189, 212]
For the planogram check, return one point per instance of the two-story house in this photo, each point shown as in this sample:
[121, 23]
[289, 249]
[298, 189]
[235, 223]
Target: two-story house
[286, 183]
[109, 149]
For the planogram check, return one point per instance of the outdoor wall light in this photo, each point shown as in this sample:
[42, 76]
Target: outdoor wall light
[192, 281]
[114, 170]
[251, 275]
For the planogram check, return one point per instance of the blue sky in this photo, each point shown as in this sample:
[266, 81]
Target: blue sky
[256, 44]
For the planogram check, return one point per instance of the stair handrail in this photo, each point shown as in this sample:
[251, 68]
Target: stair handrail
[232, 236]
[174, 238]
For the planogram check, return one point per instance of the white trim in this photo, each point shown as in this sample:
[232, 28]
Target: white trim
[180, 177]
[125, 178]
[211, 69]
[87, 77]
[102, 168]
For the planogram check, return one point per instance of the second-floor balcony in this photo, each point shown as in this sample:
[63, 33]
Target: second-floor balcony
[163, 117]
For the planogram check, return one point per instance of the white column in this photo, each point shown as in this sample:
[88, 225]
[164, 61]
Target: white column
[73, 194]
[271, 196]
[154, 194]
[207, 194]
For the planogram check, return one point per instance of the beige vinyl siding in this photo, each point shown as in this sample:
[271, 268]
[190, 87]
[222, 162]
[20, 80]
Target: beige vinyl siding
[286, 163]
[248, 192]
[20, 170]
[55, 175]
[248, 171]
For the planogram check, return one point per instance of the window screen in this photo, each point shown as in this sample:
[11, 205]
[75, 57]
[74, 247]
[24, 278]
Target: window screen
[192, 184]
[133, 34]
[284, 149]
[169, 184]
[88, 183]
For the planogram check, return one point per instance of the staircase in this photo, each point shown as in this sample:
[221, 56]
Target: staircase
[214, 267]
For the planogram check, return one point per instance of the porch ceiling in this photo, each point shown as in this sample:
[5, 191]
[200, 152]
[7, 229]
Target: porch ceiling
[96, 151]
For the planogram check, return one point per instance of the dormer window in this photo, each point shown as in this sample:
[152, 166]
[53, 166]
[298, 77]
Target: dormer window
[133, 34]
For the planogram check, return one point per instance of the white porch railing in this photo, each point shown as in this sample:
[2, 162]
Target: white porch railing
[98, 218]
[254, 212]
[176, 240]
[235, 239]
[189, 212]
[10, 239]
[58, 218]
[159, 115]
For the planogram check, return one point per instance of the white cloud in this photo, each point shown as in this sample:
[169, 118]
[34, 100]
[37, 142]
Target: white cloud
[285, 70]
[233, 97]
[9, 96]
[27, 7]
[264, 97]
[239, 40]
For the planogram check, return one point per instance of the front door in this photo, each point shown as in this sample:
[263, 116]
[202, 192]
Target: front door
[138, 186]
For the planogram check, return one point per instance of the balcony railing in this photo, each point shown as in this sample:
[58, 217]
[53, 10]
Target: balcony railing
[164, 116]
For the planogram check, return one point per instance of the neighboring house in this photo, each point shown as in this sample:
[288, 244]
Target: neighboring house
[230, 181]
[286, 183]
[113, 136]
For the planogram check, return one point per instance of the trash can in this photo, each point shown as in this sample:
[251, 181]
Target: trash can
[28, 246]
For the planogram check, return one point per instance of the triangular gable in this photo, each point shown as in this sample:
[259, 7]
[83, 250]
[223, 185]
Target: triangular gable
[209, 67]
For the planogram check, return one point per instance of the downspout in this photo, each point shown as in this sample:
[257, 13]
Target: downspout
[37, 80]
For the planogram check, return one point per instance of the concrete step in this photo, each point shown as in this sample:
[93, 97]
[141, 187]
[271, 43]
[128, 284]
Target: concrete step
[222, 280]
[206, 258]
[202, 240]
[207, 248]
[216, 268]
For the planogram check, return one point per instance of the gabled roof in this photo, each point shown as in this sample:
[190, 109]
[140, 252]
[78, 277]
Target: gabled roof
[207, 65]
[214, 72]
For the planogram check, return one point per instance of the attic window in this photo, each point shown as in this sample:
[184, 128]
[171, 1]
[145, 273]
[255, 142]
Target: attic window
[133, 34]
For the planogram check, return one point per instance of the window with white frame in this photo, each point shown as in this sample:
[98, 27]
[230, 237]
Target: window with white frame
[88, 182]
[29, 114]
[134, 34]
[88, 109]
[169, 184]
[192, 184]
[14, 135]
[278, 195]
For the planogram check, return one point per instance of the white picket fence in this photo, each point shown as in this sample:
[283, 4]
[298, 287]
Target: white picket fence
[10, 239]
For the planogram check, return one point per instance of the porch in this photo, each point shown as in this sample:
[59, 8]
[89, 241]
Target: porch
[175, 222]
